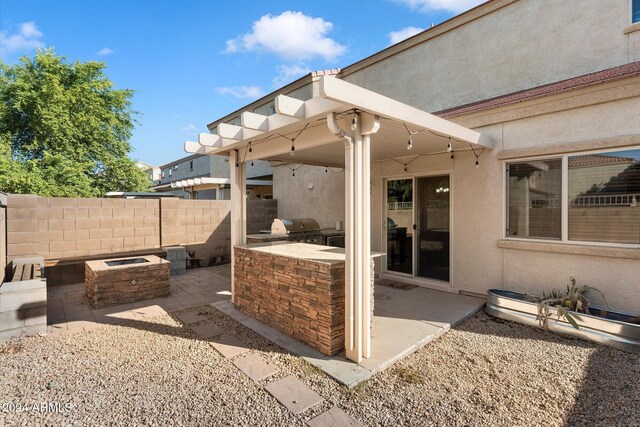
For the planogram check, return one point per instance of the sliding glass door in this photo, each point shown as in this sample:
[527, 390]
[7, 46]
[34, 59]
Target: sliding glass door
[400, 226]
[418, 227]
[433, 227]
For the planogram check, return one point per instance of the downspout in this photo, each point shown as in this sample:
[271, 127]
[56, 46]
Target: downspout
[334, 127]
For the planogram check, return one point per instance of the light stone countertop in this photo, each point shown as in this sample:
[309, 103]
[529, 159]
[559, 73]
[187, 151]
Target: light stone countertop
[306, 251]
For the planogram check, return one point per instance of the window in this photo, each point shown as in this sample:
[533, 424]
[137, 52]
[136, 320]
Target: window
[635, 11]
[534, 190]
[604, 194]
[170, 171]
[162, 174]
[191, 165]
[602, 202]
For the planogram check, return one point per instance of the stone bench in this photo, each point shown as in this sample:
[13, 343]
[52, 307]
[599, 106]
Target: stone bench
[23, 299]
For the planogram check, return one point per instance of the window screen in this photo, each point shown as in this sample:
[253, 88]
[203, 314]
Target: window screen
[534, 209]
[604, 197]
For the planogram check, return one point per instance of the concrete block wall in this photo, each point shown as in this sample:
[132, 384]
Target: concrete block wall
[59, 228]
[67, 228]
[3, 243]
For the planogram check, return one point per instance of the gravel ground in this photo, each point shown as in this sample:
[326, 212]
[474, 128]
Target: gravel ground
[156, 372]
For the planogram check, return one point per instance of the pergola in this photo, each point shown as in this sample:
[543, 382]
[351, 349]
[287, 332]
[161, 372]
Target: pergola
[347, 126]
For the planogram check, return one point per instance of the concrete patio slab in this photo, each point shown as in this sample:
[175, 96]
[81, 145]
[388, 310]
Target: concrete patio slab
[255, 367]
[404, 321]
[334, 417]
[208, 330]
[197, 287]
[229, 346]
[293, 394]
[190, 317]
[339, 368]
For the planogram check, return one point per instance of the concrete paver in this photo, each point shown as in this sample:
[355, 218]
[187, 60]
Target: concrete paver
[255, 367]
[334, 417]
[294, 394]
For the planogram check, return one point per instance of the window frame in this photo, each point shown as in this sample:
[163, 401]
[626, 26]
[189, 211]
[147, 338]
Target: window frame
[564, 211]
[631, 13]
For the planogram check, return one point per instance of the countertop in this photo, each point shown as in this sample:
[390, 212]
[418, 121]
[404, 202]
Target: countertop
[306, 251]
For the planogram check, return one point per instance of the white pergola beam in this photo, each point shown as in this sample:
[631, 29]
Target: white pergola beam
[209, 139]
[311, 137]
[250, 120]
[288, 106]
[347, 93]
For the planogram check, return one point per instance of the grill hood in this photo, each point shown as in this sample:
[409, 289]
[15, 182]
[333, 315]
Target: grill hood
[285, 226]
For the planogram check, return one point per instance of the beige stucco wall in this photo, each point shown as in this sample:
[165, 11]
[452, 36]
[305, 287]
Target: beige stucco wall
[324, 202]
[478, 205]
[525, 44]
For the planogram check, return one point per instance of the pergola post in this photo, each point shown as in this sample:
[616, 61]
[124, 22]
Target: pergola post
[238, 172]
[358, 238]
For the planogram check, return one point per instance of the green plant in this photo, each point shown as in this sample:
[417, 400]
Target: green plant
[408, 375]
[573, 299]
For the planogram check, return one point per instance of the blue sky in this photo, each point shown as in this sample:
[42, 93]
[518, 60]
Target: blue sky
[192, 62]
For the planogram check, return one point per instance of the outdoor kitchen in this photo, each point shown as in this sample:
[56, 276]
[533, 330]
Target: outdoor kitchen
[293, 279]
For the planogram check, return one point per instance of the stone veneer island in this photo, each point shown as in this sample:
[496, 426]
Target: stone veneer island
[298, 288]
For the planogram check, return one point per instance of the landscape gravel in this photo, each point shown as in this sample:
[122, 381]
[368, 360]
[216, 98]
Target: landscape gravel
[158, 372]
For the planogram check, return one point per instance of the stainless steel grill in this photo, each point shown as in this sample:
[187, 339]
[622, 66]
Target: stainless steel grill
[298, 229]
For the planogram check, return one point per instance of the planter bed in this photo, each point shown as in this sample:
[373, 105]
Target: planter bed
[612, 330]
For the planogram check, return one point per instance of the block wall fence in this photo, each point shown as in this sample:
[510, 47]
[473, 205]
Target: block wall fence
[67, 228]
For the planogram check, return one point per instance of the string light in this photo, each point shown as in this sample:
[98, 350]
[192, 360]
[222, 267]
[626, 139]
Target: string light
[293, 140]
[477, 155]
[410, 142]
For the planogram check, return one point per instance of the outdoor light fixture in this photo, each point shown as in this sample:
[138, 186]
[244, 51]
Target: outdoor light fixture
[477, 162]
[326, 169]
[250, 149]
[449, 145]
[354, 122]
[634, 202]
[251, 163]
[410, 142]
[293, 150]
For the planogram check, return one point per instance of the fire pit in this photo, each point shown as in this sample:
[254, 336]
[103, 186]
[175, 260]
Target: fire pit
[124, 280]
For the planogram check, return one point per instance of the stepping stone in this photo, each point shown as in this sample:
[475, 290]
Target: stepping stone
[334, 417]
[150, 311]
[229, 346]
[255, 367]
[190, 317]
[208, 330]
[293, 394]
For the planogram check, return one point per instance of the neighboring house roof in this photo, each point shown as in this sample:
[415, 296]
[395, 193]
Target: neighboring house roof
[599, 77]
[181, 160]
[598, 160]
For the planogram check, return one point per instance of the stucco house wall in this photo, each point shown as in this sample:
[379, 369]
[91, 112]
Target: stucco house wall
[525, 44]
[520, 44]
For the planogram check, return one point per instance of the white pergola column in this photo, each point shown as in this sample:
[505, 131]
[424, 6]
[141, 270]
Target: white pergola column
[358, 237]
[238, 172]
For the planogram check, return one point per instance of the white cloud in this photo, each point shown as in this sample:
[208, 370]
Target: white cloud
[188, 128]
[456, 6]
[253, 92]
[27, 37]
[290, 35]
[288, 73]
[104, 51]
[402, 34]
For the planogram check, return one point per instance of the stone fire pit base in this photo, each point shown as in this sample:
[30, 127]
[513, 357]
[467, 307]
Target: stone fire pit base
[123, 280]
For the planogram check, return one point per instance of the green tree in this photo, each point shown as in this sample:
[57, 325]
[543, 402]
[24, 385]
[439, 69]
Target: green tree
[65, 129]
